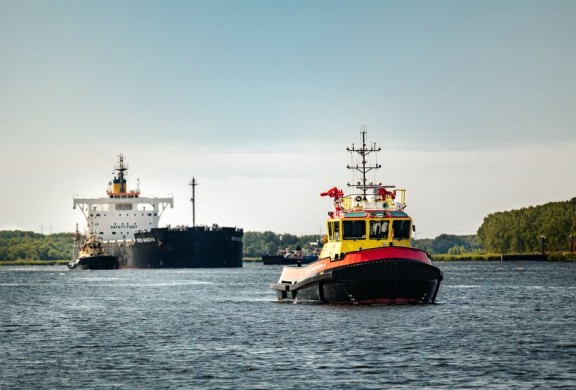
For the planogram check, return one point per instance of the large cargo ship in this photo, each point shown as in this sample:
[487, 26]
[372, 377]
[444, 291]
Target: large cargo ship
[127, 225]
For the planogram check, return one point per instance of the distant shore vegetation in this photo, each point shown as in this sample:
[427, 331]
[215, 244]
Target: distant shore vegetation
[550, 227]
[24, 245]
[525, 230]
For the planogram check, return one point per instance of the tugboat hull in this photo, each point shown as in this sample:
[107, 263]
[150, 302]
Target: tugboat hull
[98, 262]
[390, 281]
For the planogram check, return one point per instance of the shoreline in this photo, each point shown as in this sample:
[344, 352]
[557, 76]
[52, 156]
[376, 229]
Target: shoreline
[33, 262]
[552, 257]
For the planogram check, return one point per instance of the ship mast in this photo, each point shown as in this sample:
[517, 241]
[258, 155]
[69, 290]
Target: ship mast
[118, 187]
[193, 184]
[121, 168]
[364, 168]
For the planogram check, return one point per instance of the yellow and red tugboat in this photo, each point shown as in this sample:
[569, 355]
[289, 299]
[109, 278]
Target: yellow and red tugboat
[367, 257]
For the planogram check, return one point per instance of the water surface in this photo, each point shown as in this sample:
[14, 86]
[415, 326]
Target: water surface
[496, 325]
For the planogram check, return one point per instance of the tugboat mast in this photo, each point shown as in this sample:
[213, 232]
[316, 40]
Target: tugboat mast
[364, 151]
[193, 184]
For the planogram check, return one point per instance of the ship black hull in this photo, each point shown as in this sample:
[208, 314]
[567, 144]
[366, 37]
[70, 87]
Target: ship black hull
[395, 281]
[98, 262]
[188, 247]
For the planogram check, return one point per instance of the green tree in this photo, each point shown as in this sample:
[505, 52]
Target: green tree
[520, 230]
[25, 245]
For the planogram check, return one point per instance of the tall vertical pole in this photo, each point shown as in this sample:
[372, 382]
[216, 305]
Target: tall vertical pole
[363, 152]
[193, 184]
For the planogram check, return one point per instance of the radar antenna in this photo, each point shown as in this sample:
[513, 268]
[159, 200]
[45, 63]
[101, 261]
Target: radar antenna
[364, 168]
[121, 168]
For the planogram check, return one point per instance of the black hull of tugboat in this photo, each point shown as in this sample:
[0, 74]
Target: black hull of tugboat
[192, 247]
[99, 262]
[395, 281]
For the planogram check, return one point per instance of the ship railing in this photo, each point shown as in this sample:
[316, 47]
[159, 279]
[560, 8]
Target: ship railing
[214, 227]
[115, 243]
[356, 202]
[179, 228]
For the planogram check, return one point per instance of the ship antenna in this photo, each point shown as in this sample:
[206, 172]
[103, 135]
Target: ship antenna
[121, 168]
[193, 184]
[364, 151]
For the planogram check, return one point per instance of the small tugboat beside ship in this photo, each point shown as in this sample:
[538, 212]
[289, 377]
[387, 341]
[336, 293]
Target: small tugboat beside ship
[127, 226]
[367, 256]
[91, 254]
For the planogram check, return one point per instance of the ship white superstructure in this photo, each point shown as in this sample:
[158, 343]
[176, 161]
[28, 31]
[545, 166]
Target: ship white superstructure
[122, 213]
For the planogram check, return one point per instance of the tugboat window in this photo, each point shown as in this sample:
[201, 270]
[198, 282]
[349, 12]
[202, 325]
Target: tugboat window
[354, 230]
[379, 230]
[337, 231]
[331, 230]
[401, 229]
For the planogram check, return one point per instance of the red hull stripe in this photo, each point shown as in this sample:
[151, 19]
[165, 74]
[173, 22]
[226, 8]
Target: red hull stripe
[387, 253]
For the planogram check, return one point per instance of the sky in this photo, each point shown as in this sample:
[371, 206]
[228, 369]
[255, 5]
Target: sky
[472, 102]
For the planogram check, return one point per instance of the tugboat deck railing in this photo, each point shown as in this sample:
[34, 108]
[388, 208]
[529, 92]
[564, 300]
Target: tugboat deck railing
[355, 202]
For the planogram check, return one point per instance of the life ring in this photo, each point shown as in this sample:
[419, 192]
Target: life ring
[358, 198]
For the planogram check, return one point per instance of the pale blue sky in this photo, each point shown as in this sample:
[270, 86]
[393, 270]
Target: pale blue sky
[261, 84]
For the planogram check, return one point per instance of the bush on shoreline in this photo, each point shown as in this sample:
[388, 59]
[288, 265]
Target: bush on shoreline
[33, 262]
[552, 257]
[467, 257]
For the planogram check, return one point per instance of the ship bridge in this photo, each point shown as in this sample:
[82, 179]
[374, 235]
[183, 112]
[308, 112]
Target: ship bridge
[121, 214]
[118, 218]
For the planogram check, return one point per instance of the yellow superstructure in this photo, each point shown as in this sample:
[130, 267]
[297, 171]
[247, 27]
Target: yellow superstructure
[369, 219]
[359, 223]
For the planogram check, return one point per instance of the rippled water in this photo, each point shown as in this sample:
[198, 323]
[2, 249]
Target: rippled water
[497, 325]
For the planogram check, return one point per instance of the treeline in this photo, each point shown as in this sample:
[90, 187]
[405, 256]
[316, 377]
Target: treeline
[521, 231]
[450, 244]
[24, 245]
[257, 244]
